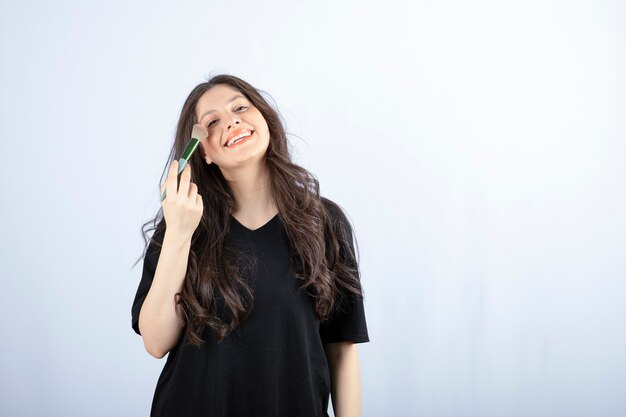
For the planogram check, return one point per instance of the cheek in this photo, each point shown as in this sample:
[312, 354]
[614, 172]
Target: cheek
[207, 143]
[213, 139]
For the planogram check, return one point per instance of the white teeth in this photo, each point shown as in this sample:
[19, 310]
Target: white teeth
[238, 138]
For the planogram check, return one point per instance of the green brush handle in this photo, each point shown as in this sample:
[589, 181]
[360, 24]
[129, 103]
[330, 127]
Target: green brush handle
[186, 156]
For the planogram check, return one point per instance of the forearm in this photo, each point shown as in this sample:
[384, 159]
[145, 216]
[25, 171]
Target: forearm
[345, 379]
[160, 322]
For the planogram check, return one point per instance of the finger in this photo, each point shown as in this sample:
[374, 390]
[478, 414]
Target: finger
[185, 178]
[193, 191]
[172, 181]
[173, 168]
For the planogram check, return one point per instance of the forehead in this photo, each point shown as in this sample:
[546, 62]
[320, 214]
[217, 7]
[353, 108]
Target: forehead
[215, 98]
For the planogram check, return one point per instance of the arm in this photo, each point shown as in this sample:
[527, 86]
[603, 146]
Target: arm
[160, 323]
[343, 362]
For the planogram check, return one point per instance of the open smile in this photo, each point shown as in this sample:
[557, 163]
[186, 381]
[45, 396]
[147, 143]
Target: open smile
[240, 141]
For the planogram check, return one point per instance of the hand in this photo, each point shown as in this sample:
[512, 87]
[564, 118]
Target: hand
[182, 207]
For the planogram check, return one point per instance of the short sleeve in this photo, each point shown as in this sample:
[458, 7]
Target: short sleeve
[348, 323]
[149, 267]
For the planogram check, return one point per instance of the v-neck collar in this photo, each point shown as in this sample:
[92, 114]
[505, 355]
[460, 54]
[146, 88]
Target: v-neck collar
[258, 229]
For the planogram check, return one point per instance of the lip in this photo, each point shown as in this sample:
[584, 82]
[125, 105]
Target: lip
[236, 133]
[244, 140]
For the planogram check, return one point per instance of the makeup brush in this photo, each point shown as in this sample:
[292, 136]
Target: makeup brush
[197, 134]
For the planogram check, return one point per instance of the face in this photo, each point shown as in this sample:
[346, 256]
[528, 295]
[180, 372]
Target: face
[225, 113]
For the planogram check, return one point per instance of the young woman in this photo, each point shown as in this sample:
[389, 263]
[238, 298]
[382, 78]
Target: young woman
[250, 280]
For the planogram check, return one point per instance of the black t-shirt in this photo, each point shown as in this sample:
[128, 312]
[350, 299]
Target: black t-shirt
[274, 363]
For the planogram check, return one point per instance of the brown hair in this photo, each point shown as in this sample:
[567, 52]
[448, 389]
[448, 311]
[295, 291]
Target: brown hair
[319, 234]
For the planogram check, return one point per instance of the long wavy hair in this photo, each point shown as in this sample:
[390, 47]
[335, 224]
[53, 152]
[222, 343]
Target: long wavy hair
[319, 234]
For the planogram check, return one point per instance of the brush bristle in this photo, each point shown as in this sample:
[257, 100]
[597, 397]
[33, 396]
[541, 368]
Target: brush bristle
[199, 132]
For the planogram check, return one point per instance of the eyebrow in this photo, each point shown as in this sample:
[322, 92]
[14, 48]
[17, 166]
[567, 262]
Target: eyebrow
[213, 110]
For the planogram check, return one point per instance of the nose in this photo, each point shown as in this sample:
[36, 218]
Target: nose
[234, 122]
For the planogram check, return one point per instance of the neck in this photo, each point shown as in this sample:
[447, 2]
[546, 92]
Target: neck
[250, 186]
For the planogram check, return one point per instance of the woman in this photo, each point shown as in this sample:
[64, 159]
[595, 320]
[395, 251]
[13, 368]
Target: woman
[250, 280]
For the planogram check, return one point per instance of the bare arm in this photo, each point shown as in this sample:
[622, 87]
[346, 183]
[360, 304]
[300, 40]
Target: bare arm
[343, 361]
[160, 323]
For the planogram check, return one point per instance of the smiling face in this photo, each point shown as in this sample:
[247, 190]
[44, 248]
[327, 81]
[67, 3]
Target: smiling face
[226, 113]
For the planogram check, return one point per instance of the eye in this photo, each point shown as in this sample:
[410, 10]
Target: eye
[211, 123]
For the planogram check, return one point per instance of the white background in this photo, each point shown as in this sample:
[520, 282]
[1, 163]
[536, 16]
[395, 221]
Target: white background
[478, 148]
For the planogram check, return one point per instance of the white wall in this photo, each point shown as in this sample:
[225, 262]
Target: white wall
[478, 148]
